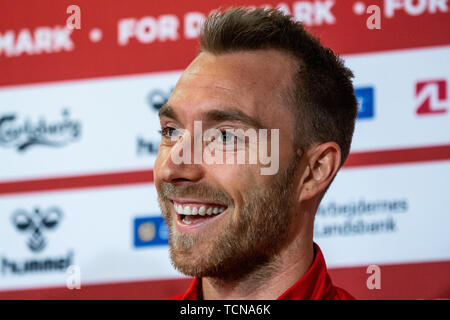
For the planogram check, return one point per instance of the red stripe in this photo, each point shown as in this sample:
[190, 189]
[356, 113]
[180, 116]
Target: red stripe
[397, 156]
[428, 280]
[356, 159]
[156, 289]
[77, 182]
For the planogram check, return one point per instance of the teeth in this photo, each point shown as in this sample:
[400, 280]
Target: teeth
[186, 221]
[202, 211]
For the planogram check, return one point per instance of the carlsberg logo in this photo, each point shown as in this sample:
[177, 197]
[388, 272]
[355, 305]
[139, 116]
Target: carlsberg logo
[22, 134]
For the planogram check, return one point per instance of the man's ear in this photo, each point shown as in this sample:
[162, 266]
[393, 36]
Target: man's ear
[322, 163]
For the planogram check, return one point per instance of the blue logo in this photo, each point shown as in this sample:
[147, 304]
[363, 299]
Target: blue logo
[365, 98]
[150, 231]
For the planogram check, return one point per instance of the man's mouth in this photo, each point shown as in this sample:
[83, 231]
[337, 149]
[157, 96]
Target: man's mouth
[196, 213]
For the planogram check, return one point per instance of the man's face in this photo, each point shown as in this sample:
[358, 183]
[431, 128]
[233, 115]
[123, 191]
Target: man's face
[227, 219]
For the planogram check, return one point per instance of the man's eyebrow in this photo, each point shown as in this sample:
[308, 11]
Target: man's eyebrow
[232, 115]
[167, 111]
[216, 115]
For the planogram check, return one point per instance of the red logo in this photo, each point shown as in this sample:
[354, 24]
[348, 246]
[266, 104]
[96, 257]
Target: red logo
[431, 97]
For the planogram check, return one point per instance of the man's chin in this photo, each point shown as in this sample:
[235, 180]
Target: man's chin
[190, 264]
[213, 263]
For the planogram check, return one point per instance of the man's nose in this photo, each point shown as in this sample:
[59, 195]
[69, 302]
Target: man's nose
[178, 165]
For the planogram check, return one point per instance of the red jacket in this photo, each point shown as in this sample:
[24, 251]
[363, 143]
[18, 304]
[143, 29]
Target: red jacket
[314, 285]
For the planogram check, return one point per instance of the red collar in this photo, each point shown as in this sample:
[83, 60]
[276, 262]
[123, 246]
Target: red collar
[314, 285]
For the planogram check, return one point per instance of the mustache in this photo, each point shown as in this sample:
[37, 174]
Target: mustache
[201, 191]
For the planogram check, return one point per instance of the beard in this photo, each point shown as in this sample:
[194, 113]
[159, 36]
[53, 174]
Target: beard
[251, 238]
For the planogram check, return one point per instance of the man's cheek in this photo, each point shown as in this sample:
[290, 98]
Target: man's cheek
[162, 153]
[235, 180]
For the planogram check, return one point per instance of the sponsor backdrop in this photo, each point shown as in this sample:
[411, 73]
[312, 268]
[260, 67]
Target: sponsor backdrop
[79, 134]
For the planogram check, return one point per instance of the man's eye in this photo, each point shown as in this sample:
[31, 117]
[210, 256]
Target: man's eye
[226, 136]
[170, 132]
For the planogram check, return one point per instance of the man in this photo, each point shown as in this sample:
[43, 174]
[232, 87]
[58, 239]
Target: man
[243, 234]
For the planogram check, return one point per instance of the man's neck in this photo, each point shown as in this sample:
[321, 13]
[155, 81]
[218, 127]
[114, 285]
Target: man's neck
[268, 282]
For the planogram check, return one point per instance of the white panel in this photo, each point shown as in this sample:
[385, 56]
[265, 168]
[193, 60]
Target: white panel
[97, 225]
[394, 75]
[112, 115]
[420, 233]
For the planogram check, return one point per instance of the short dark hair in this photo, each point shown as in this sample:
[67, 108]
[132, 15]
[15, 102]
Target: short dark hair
[321, 97]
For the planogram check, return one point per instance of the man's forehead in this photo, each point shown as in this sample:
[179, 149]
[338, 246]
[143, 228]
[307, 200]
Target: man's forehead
[199, 97]
[214, 83]
[239, 80]
[252, 68]
[213, 77]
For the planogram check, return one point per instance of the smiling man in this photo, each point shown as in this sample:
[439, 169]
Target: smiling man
[240, 233]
